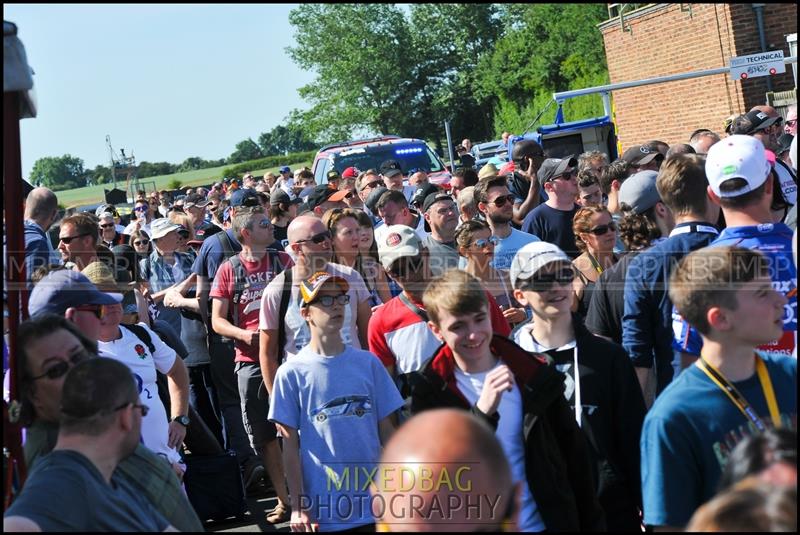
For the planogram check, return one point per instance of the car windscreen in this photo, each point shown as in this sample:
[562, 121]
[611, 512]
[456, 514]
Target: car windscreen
[410, 156]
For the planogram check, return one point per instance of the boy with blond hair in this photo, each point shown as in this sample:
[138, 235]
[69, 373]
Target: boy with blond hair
[731, 391]
[519, 395]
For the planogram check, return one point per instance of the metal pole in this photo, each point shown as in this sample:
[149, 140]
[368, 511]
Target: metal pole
[449, 145]
[762, 39]
[648, 81]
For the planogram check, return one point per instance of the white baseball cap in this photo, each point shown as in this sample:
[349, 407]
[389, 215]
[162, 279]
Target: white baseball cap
[534, 257]
[737, 157]
[398, 241]
[161, 227]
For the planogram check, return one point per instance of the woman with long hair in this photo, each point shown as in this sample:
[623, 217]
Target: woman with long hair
[346, 231]
[595, 235]
[476, 244]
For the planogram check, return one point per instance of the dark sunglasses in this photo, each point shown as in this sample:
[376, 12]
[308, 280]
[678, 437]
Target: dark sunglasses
[107, 225]
[68, 239]
[140, 209]
[61, 368]
[317, 238]
[791, 122]
[566, 175]
[98, 310]
[545, 282]
[373, 184]
[493, 240]
[601, 230]
[141, 243]
[403, 268]
[349, 195]
[328, 300]
[502, 200]
[144, 408]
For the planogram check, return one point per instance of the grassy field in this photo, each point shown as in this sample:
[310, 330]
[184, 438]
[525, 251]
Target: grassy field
[94, 194]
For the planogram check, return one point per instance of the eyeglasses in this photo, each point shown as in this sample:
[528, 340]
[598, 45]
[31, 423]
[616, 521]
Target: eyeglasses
[373, 184]
[144, 408]
[140, 209]
[98, 310]
[107, 225]
[68, 239]
[328, 300]
[349, 195]
[601, 230]
[317, 238]
[491, 240]
[502, 200]
[545, 282]
[61, 368]
[141, 243]
[567, 175]
[791, 122]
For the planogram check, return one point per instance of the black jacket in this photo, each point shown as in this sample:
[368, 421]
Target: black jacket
[557, 464]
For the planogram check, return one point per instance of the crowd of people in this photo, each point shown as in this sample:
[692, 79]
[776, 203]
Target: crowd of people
[555, 344]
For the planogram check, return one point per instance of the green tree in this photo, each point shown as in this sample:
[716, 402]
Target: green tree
[245, 150]
[101, 174]
[148, 169]
[285, 139]
[58, 173]
[190, 164]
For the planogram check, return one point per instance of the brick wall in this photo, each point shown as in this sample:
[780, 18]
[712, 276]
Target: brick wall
[665, 40]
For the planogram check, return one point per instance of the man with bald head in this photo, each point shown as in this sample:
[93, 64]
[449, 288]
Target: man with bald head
[41, 210]
[284, 332]
[443, 470]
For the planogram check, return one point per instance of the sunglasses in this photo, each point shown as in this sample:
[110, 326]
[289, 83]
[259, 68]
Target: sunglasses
[373, 184]
[61, 368]
[144, 408]
[98, 310]
[141, 243]
[328, 300]
[491, 240]
[349, 195]
[68, 239]
[601, 230]
[107, 225]
[402, 269]
[140, 209]
[317, 238]
[566, 175]
[264, 223]
[791, 122]
[502, 200]
[545, 282]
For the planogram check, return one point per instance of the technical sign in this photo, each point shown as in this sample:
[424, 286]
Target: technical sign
[755, 65]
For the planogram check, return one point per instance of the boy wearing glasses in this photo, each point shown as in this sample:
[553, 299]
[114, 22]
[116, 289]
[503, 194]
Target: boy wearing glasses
[551, 221]
[338, 400]
[601, 386]
[518, 395]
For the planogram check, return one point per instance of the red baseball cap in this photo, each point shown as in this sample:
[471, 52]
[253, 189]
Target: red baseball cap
[350, 172]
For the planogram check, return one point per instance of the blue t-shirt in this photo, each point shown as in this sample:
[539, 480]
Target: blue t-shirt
[775, 242]
[66, 492]
[553, 226]
[690, 431]
[335, 403]
[506, 248]
[212, 255]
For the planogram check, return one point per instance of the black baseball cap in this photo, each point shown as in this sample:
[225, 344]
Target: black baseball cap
[554, 167]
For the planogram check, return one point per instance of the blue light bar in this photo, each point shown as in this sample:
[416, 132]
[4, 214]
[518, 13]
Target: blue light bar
[409, 151]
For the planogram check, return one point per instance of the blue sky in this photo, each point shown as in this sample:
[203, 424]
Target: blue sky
[165, 81]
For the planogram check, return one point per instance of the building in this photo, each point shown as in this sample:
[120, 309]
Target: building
[654, 40]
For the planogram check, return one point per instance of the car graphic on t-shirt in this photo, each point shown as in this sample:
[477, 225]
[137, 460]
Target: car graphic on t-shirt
[343, 406]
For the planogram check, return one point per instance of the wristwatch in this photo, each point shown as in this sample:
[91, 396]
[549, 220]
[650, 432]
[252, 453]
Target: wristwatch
[183, 420]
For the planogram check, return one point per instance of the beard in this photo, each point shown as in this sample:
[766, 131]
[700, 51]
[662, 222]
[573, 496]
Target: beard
[498, 218]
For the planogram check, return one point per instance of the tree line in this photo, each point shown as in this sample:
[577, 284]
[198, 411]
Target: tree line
[380, 69]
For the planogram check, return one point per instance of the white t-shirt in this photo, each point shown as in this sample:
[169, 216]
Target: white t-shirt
[509, 433]
[135, 354]
[297, 334]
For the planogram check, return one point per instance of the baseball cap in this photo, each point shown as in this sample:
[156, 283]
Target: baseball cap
[389, 164]
[373, 197]
[333, 174]
[161, 227]
[66, 288]
[284, 169]
[244, 197]
[433, 198]
[640, 155]
[639, 191]
[350, 172]
[553, 167]
[110, 209]
[487, 171]
[759, 120]
[195, 199]
[324, 193]
[532, 258]
[418, 199]
[397, 242]
[310, 288]
[737, 156]
[281, 196]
